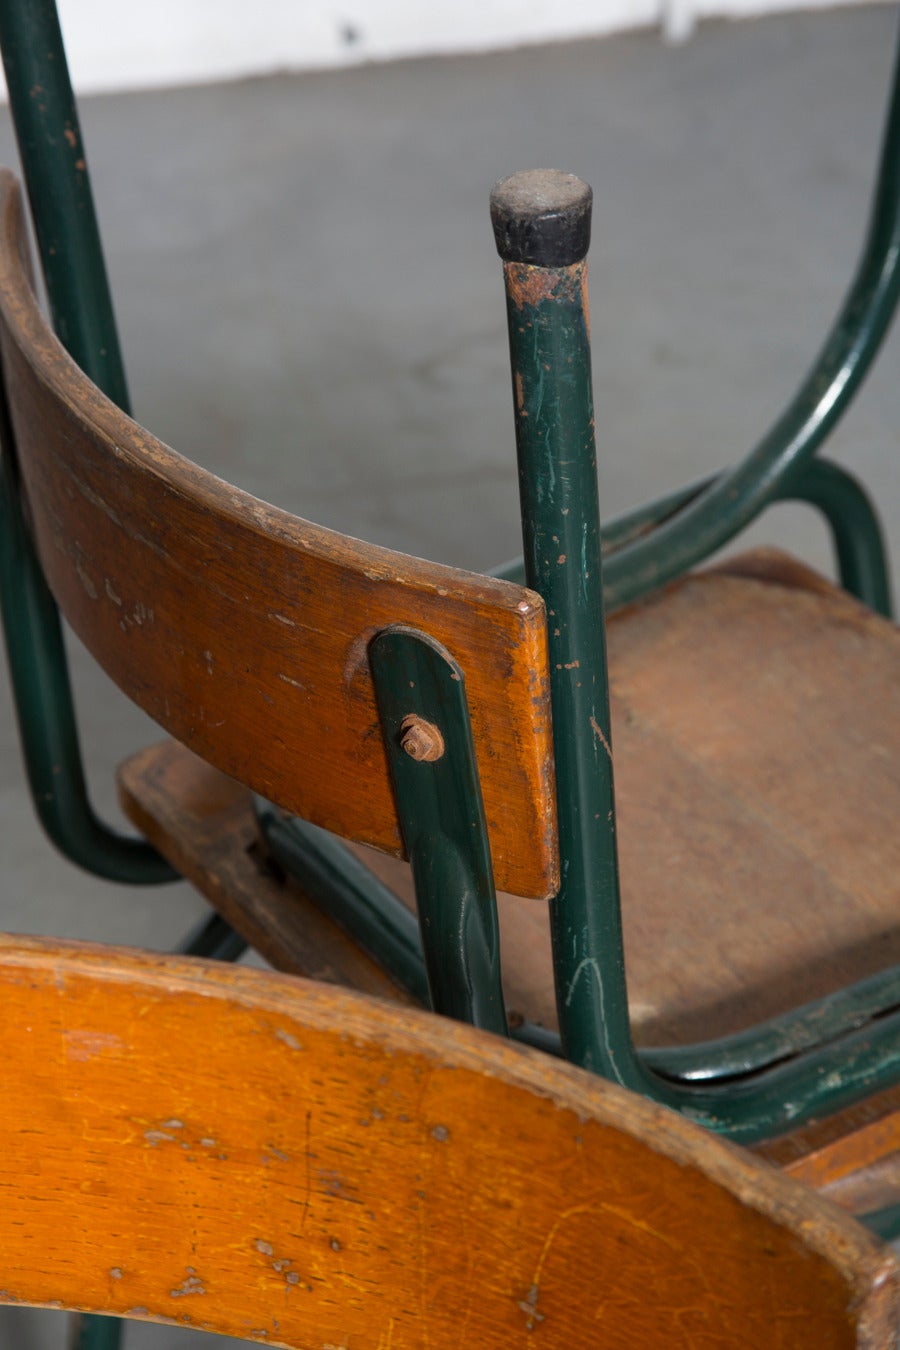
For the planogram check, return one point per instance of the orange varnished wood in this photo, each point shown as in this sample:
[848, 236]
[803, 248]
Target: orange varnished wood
[838, 1159]
[249, 1154]
[243, 630]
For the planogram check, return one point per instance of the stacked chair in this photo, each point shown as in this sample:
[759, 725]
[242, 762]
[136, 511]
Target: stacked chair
[396, 776]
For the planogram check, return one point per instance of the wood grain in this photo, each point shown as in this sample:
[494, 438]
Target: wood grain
[760, 867]
[204, 823]
[853, 1155]
[243, 630]
[241, 1152]
[756, 732]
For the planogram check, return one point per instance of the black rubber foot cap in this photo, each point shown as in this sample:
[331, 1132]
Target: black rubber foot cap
[542, 217]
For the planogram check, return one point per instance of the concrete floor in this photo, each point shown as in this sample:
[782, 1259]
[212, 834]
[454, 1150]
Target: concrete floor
[311, 306]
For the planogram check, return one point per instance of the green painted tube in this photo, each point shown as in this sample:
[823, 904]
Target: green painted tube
[62, 205]
[97, 1332]
[53, 157]
[859, 545]
[420, 691]
[542, 228]
[45, 707]
[351, 894]
[550, 354]
[737, 496]
[860, 549]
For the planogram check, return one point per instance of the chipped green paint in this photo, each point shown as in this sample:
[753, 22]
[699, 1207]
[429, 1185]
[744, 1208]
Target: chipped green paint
[818, 1058]
[551, 364]
[856, 533]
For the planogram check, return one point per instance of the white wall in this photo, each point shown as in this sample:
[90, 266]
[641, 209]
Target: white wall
[115, 45]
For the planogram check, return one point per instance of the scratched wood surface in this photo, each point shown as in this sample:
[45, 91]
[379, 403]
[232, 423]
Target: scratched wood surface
[204, 823]
[243, 630]
[245, 1153]
[756, 734]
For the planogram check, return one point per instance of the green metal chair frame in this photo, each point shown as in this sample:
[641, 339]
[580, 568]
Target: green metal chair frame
[747, 1086]
[738, 1086]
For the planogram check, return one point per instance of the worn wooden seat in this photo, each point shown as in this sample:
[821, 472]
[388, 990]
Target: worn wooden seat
[748, 887]
[381, 1177]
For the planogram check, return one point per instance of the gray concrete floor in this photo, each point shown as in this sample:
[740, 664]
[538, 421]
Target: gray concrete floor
[311, 306]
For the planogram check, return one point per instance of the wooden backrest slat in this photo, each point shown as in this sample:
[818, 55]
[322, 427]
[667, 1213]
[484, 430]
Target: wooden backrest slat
[243, 630]
[255, 1155]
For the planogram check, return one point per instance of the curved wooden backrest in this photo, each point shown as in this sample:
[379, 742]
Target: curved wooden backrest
[243, 630]
[284, 1161]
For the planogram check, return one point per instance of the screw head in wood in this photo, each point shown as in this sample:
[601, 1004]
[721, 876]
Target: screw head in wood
[421, 740]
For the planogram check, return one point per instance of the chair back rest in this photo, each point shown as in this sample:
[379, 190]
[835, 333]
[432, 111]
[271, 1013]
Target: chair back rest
[375, 1176]
[243, 630]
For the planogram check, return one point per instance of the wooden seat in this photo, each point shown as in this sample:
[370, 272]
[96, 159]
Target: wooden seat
[807, 901]
[371, 1176]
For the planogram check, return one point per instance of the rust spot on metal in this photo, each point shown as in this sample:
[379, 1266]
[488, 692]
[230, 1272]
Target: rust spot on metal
[527, 285]
[421, 740]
